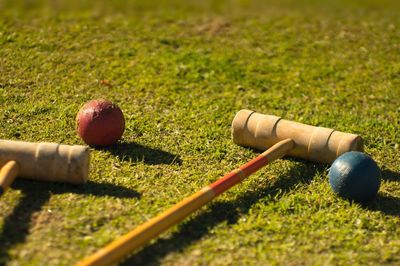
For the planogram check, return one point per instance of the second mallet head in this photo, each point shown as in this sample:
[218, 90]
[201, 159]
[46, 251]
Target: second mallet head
[318, 144]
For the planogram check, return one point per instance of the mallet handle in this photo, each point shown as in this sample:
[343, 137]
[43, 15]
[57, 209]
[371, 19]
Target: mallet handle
[8, 173]
[116, 250]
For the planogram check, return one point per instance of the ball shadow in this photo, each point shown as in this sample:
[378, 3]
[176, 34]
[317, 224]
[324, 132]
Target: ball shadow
[390, 175]
[387, 204]
[135, 152]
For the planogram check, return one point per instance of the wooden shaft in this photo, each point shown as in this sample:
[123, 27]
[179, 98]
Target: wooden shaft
[117, 250]
[8, 173]
[317, 144]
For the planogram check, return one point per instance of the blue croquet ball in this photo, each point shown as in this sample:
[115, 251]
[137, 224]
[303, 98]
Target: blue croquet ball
[355, 176]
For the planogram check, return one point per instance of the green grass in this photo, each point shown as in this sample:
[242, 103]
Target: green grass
[180, 71]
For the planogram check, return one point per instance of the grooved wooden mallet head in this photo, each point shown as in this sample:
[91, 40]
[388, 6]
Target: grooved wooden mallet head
[47, 161]
[319, 144]
[43, 161]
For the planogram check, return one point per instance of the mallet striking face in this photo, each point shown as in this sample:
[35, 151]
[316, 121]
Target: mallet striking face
[42, 161]
[281, 137]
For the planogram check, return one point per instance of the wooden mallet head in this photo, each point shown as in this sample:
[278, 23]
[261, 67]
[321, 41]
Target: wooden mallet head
[42, 161]
[318, 144]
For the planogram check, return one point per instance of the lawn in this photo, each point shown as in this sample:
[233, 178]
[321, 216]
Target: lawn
[180, 70]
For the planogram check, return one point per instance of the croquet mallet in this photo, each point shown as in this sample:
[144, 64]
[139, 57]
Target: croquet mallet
[42, 161]
[280, 137]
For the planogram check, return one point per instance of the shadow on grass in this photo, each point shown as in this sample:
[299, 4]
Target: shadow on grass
[195, 228]
[390, 175]
[34, 195]
[136, 152]
[386, 204]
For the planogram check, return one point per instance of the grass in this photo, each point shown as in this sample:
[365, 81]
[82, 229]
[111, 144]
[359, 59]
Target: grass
[180, 71]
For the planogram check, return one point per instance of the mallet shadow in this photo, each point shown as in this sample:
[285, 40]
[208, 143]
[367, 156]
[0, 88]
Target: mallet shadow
[34, 195]
[195, 228]
[134, 152]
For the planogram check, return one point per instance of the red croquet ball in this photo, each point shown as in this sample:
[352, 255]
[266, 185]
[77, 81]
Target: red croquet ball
[100, 123]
